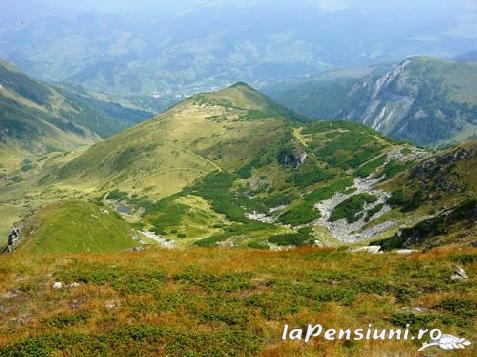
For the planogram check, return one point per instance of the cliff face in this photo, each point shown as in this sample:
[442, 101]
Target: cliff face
[389, 99]
[416, 101]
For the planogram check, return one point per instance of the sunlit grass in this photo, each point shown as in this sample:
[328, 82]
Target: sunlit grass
[227, 302]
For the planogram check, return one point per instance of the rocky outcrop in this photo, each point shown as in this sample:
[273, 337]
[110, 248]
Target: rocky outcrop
[389, 98]
[429, 230]
[438, 175]
[292, 157]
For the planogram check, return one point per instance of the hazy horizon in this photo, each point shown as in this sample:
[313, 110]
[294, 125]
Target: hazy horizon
[201, 44]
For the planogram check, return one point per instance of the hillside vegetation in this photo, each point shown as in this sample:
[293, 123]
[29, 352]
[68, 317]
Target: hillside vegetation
[75, 226]
[215, 165]
[232, 168]
[229, 302]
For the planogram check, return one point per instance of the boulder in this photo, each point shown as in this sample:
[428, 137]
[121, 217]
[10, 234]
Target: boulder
[459, 273]
[57, 285]
[405, 251]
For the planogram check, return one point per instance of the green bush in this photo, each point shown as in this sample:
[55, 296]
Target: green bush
[461, 307]
[368, 168]
[65, 320]
[234, 230]
[301, 214]
[117, 195]
[351, 208]
[27, 165]
[407, 203]
[302, 237]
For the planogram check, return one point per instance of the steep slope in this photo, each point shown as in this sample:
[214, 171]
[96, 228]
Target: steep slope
[438, 197]
[425, 100]
[37, 118]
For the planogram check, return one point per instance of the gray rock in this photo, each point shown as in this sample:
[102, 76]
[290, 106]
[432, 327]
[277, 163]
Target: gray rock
[57, 285]
[10, 294]
[459, 273]
[110, 305]
[5, 309]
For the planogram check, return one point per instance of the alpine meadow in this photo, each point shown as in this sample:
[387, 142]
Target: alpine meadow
[238, 178]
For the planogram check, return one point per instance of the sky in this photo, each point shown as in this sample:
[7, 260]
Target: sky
[464, 12]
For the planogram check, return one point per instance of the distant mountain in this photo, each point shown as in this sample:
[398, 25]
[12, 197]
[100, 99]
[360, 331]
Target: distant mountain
[425, 100]
[190, 49]
[37, 118]
[467, 57]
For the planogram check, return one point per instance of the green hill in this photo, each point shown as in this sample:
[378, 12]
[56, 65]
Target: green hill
[209, 132]
[75, 226]
[38, 118]
[428, 101]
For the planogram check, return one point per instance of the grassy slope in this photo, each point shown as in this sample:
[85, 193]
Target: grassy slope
[324, 97]
[459, 76]
[230, 302]
[38, 118]
[75, 226]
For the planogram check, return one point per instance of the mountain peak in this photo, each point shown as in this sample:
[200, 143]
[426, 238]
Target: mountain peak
[243, 96]
[241, 85]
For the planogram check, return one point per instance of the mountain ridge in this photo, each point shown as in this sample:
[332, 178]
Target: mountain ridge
[38, 118]
[227, 168]
[428, 101]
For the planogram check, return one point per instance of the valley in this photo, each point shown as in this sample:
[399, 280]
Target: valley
[234, 169]
[39, 119]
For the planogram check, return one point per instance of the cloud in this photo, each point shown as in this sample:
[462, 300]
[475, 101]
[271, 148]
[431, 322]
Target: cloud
[332, 5]
[466, 27]
[470, 5]
[466, 24]
[425, 38]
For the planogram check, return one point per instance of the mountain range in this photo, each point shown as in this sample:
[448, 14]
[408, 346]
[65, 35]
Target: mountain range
[209, 177]
[427, 101]
[234, 168]
[172, 51]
